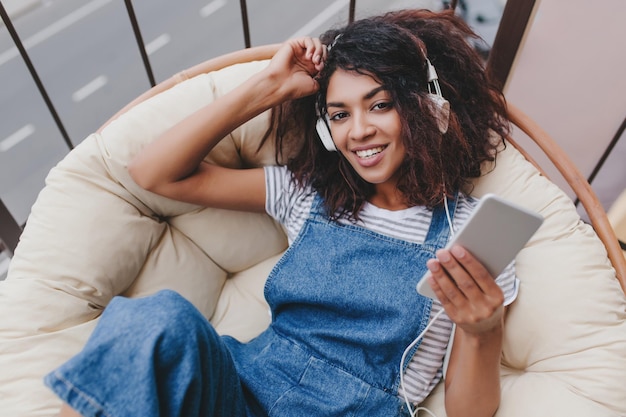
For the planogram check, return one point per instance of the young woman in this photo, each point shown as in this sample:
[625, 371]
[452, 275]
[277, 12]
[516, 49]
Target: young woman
[367, 214]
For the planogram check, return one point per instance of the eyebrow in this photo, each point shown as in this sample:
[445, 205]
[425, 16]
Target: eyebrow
[365, 97]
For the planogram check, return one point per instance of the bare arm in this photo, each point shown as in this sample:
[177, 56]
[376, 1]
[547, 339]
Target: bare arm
[475, 303]
[173, 165]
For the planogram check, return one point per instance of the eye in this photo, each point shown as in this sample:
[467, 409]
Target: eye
[383, 105]
[338, 116]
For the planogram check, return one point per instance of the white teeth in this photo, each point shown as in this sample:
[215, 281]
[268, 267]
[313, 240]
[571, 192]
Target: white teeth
[369, 152]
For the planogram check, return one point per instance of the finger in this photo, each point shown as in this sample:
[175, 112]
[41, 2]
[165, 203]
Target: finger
[481, 279]
[312, 53]
[462, 279]
[310, 47]
[325, 53]
[444, 288]
[442, 284]
[308, 44]
[316, 51]
[320, 55]
[435, 269]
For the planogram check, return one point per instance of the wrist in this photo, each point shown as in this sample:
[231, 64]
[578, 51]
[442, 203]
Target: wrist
[484, 336]
[254, 96]
[268, 86]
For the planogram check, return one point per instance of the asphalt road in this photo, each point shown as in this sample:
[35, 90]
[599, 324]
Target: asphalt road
[87, 57]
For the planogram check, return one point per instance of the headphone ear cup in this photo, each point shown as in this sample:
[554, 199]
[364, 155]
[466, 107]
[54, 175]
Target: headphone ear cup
[323, 131]
[441, 109]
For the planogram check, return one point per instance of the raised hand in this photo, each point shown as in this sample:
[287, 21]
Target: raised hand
[295, 66]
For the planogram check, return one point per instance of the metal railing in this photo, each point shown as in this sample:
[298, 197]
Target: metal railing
[516, 15]
[10, 230]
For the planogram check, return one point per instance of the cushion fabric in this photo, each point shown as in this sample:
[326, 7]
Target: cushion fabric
[93, 234]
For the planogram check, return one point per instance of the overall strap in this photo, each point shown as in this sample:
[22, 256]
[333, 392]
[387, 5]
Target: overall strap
[317, 207]
[439, 231]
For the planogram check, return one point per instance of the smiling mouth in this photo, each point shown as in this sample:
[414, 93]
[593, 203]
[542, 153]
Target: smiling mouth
[368, 153]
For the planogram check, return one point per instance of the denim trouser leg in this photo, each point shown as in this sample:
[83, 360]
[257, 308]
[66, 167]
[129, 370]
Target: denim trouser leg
[156, 356]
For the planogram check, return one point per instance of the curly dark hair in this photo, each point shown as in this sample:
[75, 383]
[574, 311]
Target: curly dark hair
[392, 48]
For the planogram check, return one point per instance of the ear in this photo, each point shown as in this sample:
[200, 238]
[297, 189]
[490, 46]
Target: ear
[441, 110]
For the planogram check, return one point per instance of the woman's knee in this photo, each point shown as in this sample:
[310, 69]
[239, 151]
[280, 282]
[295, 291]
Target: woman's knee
[163, 318]
[166, 307]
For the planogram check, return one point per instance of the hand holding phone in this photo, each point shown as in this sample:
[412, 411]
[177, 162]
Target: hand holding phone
[494, 233]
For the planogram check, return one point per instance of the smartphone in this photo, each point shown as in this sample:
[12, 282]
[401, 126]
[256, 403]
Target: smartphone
[494, 233]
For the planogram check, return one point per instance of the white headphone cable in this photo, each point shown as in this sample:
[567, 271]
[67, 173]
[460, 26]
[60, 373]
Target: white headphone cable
[445, 205]
[412, 412]
[406, 351]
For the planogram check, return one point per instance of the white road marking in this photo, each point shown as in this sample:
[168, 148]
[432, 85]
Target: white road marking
[321, 18]
[91, 87]
[158, 43]
[16, 137]
[55, 28]
[212, 7]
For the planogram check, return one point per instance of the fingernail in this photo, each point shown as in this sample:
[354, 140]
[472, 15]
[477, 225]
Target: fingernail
[458, 251]
[433, 266]
[443, 256]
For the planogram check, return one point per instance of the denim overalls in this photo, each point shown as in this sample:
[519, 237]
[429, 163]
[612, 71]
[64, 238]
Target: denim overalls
[344, 309]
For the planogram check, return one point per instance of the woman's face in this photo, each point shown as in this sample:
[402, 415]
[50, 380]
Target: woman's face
[366, 127]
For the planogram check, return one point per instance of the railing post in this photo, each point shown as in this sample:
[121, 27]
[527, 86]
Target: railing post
[351, 11]
[142, 46]
[31, 68]
[10, 231]
[607, 152]
[515, 18]
[244, 21]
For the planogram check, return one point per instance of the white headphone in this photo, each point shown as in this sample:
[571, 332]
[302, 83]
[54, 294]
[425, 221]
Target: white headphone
[323, 131]
[441, 109]
[442, 106]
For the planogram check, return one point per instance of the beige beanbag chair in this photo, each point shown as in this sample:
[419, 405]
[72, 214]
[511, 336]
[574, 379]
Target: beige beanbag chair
[94, 234]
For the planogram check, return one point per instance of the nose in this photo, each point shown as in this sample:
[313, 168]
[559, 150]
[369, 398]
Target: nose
[361, 128]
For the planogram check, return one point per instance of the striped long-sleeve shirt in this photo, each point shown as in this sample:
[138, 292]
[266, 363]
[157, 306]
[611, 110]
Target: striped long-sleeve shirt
[290, 205]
